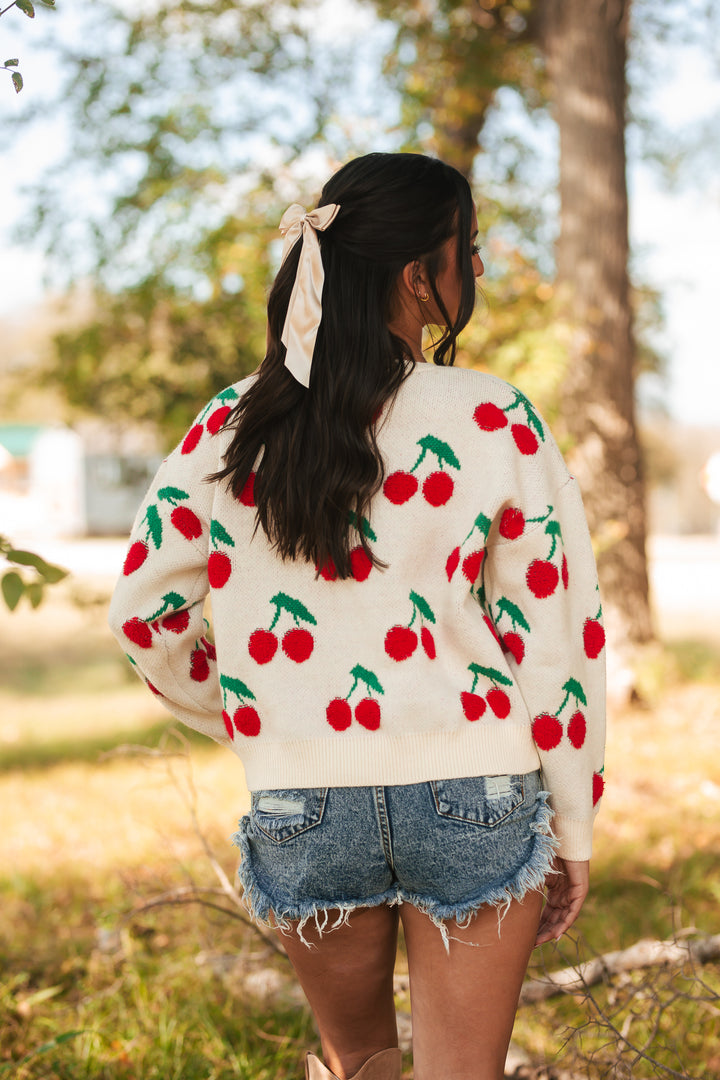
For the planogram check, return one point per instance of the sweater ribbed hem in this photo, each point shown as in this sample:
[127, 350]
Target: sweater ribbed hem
[376, 759]
[575, 837]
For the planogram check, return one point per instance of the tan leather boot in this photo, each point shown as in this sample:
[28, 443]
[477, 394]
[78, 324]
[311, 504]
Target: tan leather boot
[385, 1065]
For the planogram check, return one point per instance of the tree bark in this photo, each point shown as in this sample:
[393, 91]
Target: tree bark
[585, 46]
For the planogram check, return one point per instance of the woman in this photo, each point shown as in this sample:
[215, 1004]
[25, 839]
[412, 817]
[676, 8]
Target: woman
[406, 619]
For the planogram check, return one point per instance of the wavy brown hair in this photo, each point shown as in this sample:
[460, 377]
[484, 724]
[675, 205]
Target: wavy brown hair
[314, 450]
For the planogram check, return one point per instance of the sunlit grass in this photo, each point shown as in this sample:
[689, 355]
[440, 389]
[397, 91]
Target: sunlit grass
[90, 833]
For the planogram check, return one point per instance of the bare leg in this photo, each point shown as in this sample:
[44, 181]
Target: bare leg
[347, 977]
[464, 1003]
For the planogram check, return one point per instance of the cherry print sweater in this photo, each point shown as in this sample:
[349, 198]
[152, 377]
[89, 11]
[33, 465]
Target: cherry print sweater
[478, 651]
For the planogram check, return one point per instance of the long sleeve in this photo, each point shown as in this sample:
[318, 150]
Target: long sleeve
[542, 595]
[156, 611]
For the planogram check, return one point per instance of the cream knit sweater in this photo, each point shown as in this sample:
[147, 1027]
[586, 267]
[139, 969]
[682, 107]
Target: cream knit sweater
[478, 651]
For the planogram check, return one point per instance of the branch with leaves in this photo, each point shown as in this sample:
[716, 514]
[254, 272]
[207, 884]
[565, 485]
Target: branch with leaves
[27, 7]
[30, 580]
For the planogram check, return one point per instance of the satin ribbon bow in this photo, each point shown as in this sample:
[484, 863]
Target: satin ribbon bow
[305, 308]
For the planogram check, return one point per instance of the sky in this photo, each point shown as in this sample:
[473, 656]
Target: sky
[675, 234]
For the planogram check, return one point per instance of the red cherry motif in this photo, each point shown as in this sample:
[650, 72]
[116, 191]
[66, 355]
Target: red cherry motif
[262, 646]
[178, 621]
[247, 495]
[227, 720]
[473, 705]
[328, 571]
[471, 565]
[339, 714]
[547, 731]
[542, 578]
[489, 417]
[192, 439]
[491, 627]
[598, 787]
[428, 642]
[138, 632]
[367, 713]
[153, 688]
[564, 573]
[186, 522]
[499, 702]
[514, 644]
[438, 485]
[496, 698]
[298, 644]
[437, 488]
[247, 721]
[219, 569]
[399, 487]
[512, 523]
[525, 440]
[593, 638]
[199, 668]
[360, 564]
[452, 564]
[400, 642]
[577, 729]
[217, 419]
[209, 648]
[136, 556]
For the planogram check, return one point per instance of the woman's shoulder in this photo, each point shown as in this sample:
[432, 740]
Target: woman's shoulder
[462, 382]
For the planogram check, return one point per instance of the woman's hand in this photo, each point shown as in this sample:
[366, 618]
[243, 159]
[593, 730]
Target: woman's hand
[566, 888]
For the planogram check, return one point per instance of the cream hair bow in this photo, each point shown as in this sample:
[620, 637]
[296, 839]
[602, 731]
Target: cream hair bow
[305, 308]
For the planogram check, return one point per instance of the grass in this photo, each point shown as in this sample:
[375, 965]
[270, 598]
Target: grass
[92, 984]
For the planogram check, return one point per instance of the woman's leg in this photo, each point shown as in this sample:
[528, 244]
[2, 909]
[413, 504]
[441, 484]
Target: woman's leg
[347, 977]
[464, 1002]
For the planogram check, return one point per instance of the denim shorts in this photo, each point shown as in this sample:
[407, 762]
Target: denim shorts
[448, 847]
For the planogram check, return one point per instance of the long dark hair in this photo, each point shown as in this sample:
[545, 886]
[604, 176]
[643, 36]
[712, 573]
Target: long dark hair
[320, 463]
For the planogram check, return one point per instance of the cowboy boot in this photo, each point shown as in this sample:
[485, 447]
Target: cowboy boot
[385, 1065]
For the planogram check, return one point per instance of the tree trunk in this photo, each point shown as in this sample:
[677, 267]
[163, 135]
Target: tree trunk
[585, 45]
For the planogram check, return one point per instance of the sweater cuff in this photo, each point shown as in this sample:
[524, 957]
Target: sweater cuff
[575, 837]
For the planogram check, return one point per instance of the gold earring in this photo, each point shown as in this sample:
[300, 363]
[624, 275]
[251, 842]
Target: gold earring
[424, 298]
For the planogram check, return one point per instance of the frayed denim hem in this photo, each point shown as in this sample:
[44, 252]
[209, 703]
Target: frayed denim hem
[326, 916]
[529, 878]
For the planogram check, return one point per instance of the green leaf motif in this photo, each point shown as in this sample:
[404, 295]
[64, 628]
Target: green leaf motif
[26, 7]
[17, 80]
[516, 615]
[572, 686]
[172, 494]
[295, 607]
[483, 523]
[423, 607]
[441, 450]
[553, 528]
[236, 686]
[219, 533]
[154, 524]
[227, 395]
[368, 677]
[13, 587]
[174, 600]
[490, 673]
[365, 528]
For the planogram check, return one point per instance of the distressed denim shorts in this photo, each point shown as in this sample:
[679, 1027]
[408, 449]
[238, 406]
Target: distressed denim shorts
[448, 847]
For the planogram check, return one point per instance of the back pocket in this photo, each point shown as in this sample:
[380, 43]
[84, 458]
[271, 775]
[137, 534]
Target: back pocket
[478, 800]
[282, 814]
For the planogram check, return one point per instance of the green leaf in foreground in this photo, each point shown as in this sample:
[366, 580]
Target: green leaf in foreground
[12, 589]
[17, 81]
[26, 7]
[11, 63]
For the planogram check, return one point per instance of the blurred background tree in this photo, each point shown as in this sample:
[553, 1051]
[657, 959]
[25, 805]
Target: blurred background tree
[192, 125]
